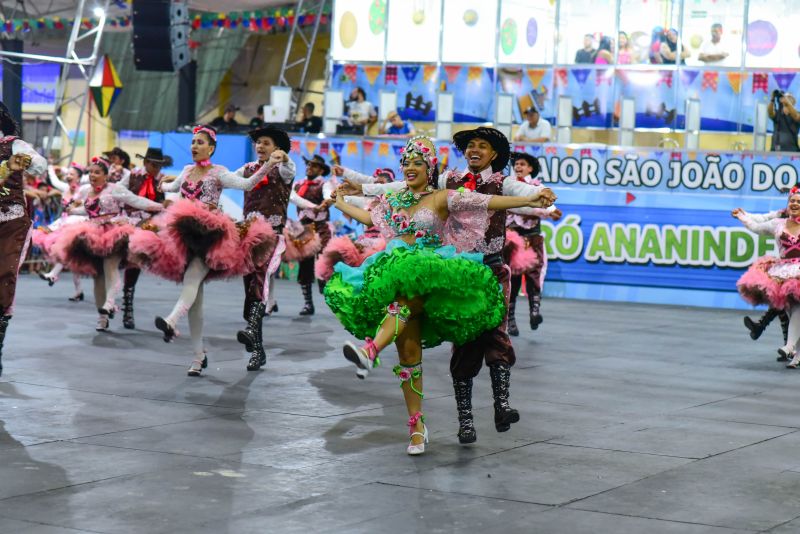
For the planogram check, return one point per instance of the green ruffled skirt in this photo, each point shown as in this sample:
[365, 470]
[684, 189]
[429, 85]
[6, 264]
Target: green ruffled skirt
[462, 296]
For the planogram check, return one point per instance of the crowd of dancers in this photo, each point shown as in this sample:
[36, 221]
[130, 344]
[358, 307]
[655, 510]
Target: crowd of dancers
[440, 251]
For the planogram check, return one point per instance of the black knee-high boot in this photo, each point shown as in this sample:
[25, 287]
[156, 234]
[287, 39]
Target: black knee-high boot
[127, 307]
[466, 427]
[308, 295]
[784, 318]
[504, 414]
[258, 357]
[535, 301]
[249, 335]
[757, 327]
[4, 319]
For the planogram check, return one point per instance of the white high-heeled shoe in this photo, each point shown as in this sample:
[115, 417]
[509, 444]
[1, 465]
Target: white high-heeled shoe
[414, 449]
[360, 357]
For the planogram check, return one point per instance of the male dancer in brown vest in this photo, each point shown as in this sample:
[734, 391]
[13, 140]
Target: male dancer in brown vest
[270, 198]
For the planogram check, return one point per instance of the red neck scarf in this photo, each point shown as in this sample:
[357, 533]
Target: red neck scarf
[471, 182]
[265, 180]
[148, 188]
[304, 185]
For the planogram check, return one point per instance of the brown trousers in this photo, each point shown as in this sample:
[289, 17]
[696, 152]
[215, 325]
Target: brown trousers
[13, 235]
[493, 346]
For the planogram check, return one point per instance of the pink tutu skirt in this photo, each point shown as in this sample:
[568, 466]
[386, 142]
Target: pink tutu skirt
[83, 246]
[771, 281]
[347, 251]
[302, 241]
[189, 229]
[520, 257]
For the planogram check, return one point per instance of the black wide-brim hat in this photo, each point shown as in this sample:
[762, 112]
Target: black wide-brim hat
[494, 137]
[317, 160]
[533, 161]
[156, 155]
[280, 137]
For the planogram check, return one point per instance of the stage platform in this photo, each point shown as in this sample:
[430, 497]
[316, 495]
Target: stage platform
[635, 418]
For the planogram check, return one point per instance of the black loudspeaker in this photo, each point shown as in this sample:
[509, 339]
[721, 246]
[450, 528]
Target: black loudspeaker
[160, 35]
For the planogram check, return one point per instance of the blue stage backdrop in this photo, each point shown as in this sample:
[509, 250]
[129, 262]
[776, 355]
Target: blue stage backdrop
[639, 225]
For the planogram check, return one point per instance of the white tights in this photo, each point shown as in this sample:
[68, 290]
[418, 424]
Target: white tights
[794, 328]
[76, 281]
[107, 284]
[191, 301]
[55, 271]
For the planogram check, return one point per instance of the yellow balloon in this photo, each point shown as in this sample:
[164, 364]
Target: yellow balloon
[418, 17]
[348, 29]
[696, 41]
[470, 17]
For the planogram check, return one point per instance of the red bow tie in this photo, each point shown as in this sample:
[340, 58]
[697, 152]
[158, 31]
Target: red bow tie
[148, 188]
[471, 182]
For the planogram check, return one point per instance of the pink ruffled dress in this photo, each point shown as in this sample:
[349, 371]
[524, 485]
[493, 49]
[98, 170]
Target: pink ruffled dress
[770, 280]
[82, 246]
[195, 226]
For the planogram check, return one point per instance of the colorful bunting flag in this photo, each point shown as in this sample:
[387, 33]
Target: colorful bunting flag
[581, 75]
[410, 72]
[666, 78]
[474, 74]
[368, 146]
[398, 149]
[338, 147]
[710, 80]
[688, 77]
[391, 74]
[311, 147]
[372, 72]
[561, 77]
[323, 148]
[736, 79]
[295, 146]
[429, 72]
[760, 82]
[536, 76]
[352, 148]
[784, 79]
[383, 149]
[351, 71]
[452, 72]
[337, 71]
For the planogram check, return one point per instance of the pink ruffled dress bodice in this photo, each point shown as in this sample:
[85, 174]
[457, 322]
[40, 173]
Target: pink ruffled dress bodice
[103, 207]
[207, 190]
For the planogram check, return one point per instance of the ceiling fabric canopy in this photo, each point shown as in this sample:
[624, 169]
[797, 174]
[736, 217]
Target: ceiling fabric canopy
[65, 8]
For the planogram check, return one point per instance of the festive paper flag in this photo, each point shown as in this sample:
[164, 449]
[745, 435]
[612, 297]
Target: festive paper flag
[561, 77]
[586, 152]
[410, 72]
[581, 75]
[783, 79]
[311, 147]
[337, 70]
[398, 149]
[352, 148]
[338, 147]
[603, 75]
[535, 76]
[490, 74]
[688, 76]
[666, 78]
[760, 82]
[711, 81]
[368, 146]
[383, 149]
[569, 151]
[372, 72]
[429, 72]
[736, 79]
[105, 86]
[391, 74]
[452, 72]
[323, 148]
[474, 74]
[351, 71]
[295, 146]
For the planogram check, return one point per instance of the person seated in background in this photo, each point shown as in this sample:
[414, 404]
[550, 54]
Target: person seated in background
[587, 53]
[360, 111]
[533, 130]
[395, 125]
[308, 121]
[605, 51]
[227, 121]
[669, 49]
[257, 121]
[713, 52]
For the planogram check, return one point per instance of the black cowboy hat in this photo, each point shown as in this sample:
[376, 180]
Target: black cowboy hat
[317, 160]
[278, 136]
[531, 160]
[155, 155]
[117, 151]
[494, 137]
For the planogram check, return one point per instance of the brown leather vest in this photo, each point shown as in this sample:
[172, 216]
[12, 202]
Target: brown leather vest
[136, 180]
[495, 238]
[313, 194]
[271, 200]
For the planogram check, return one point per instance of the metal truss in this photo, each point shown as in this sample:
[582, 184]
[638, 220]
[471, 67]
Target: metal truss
[300, 37]
[85, 65]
